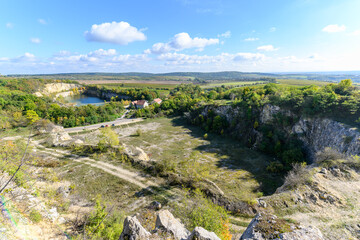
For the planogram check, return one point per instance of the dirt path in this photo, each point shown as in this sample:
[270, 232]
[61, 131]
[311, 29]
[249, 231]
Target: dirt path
[117, 171]
[117, 122]
[129, 176]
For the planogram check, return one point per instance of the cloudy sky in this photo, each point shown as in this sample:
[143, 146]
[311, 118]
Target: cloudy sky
[56, 36]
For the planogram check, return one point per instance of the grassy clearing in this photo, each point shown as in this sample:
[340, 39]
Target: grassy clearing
[241, 83]
[237, 170]
[301, 83]
[20, 131]
[91, 182]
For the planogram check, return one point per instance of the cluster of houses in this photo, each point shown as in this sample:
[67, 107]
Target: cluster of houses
[140, 104]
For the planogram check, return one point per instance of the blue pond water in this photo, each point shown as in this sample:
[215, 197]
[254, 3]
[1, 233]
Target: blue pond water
[80, 100]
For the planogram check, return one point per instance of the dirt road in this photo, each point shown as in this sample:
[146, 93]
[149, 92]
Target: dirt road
[117, 122]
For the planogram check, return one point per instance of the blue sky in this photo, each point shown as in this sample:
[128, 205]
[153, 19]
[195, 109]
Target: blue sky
[179, 35]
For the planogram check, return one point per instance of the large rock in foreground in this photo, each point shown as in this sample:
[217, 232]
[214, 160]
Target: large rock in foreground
[166, 221]
[133, 230]
[166, 227]
[264, 227]
[200, 233]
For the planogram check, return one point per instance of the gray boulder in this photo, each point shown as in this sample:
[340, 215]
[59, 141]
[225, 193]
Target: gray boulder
[167, 222]
[272, 223]
[303, 233]
[200, 233]
[133, 230]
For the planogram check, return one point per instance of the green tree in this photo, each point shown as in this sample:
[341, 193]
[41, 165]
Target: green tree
[32, 116]
[108, 138]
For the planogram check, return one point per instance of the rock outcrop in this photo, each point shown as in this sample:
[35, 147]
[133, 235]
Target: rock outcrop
[166, 221]
[200, 233]
[58, 136]
[133, 230]
[264, 227]
[317, 134]
[166, 224]
[56, 88]
[136, 153]
[104, 94]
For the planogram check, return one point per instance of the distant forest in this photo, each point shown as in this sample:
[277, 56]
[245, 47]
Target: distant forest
[200, 76]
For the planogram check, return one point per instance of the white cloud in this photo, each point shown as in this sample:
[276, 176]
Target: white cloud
[63, 53]
[267, 48]
[272, 29]
[180, 42]
[226, 34]
[42, 21]
[334, 28]
[101, 52]
[27, 57]
[251, 39]
[249, 57]
[131, 59]
[98, 58]
[89, 57]
[222, 59]
[35, 40]
[4, 59]
[9, 25]
[115, 32]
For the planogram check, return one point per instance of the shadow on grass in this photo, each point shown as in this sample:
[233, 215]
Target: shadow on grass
[235, 156]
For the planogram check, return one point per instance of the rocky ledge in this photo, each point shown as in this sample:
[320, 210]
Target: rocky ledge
[265, 226]
[262, 227]
[166, 227]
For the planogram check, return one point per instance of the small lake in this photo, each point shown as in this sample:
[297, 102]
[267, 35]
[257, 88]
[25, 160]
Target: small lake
[80, 100]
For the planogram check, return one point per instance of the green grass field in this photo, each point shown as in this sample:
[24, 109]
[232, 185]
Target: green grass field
[301, 83]
[237, 170]
[242, 83]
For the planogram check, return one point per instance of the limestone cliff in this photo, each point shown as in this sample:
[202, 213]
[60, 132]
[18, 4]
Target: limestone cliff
[55, 88]
[316, 134]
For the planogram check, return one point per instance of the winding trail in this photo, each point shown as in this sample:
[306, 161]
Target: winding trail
[117, 171]
[129, 176]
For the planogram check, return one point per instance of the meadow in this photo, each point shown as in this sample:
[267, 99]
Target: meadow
[237, 170]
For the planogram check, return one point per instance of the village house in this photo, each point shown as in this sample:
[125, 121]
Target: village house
[157, 100]
[140, 104]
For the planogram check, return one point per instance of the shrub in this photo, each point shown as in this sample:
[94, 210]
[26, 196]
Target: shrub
[328, 157]
[275, 167]
[271, 227]
[198, 211]
[298, 176]
[35, 216]
[138, 132]
[206, 136]
[103, 224]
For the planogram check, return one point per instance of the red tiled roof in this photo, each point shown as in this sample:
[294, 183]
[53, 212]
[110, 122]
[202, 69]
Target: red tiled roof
[157, 100]
[140, 102]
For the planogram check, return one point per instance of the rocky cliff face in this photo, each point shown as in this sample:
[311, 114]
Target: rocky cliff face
[316, 134]
[265, 226]
[104, 94]
[56, 88]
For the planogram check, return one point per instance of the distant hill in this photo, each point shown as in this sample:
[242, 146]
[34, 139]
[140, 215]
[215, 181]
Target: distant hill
[201, 76]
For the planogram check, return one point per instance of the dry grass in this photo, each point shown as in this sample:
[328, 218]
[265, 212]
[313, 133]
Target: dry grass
[298, 176]
[235, 169]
